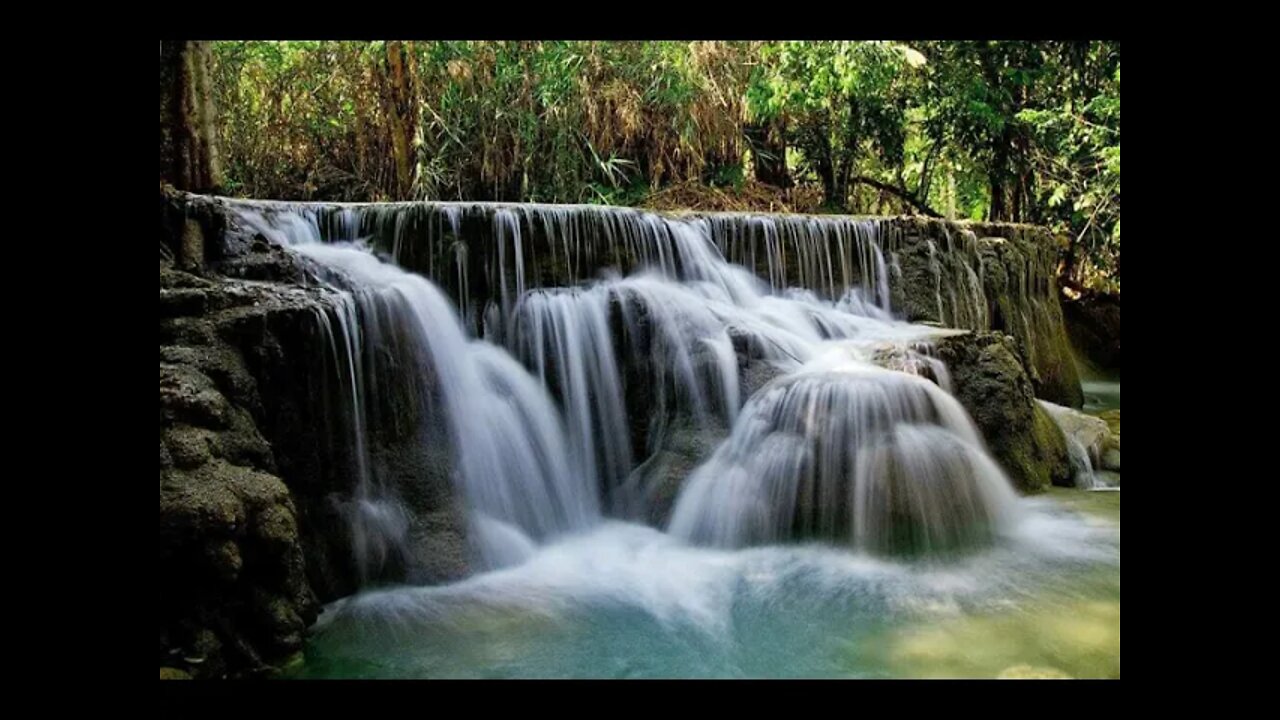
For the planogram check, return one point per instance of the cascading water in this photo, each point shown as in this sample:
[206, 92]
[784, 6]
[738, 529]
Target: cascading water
[848, 452]
[379, 526]
[858, 260]
[855, 443]
[841, 479]
[509, 449]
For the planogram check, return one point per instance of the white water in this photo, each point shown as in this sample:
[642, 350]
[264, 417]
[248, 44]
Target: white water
[876, 459]
[850, 445]
[509, 448]
[838, 448]
[624, 600]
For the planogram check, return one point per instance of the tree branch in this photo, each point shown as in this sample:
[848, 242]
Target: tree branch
[907, 197]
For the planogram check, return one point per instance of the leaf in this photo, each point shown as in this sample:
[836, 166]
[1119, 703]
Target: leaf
[1058, 195]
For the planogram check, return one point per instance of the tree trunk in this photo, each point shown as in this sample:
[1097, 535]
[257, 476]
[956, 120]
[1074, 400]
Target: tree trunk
[835, 188]
[188, 131]
[827, 173]
[898, 192]
[398, 112]
[951, 192]
[996, 177]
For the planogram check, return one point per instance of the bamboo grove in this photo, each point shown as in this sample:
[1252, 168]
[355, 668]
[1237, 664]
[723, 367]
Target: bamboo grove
[1014, 131]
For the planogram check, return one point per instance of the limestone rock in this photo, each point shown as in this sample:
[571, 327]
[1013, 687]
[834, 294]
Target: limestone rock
[1091, 432]
[990, 382]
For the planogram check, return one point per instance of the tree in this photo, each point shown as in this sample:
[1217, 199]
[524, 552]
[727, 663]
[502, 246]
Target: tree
[1004, 130]
[188, 125]
[845, 106]
[1077, 156]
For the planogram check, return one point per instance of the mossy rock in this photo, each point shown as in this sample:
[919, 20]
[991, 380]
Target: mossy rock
[1112, 418]
[990, 382]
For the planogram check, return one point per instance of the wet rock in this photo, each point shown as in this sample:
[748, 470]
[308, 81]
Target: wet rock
[915, 359]
[438, 551]
[1110, 479]
[1111, 458]
[224, 559]
[987, 277]
[230, 553]
[215, 560]
[686, 444]
[182, 302]
[255, 462]
[186, 446]
[1112, 418]
[187, 395]
[1091, 432]
[755, 374]
[989, 381]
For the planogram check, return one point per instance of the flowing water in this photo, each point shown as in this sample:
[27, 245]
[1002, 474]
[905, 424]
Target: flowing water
[624, 600]
[1101, 393]
[851, 524]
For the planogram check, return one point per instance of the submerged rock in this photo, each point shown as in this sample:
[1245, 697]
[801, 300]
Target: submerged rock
[1092, 434]
[684, 446]
[990, 382]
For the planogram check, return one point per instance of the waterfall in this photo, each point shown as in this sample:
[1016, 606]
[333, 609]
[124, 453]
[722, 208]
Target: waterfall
[565, 336]
[842, 450]
[600, 321]
[379, 526]
[509, 447]
[1081, 464]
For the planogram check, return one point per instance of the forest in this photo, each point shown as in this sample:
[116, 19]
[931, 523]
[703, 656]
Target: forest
[985, 130]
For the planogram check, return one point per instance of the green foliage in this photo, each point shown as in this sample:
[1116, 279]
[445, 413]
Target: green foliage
[1077, 153]
[845, 102]
[984, 130]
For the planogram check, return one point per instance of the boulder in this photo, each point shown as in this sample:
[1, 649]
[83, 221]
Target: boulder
[989, 381]
[1090, 431]
[987, 277]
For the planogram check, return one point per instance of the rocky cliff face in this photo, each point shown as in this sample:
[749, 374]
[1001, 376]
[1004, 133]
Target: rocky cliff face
[234, 591]
[989, 276]
[255, 462]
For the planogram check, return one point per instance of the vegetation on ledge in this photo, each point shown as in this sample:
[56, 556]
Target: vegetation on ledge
[990, 130]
